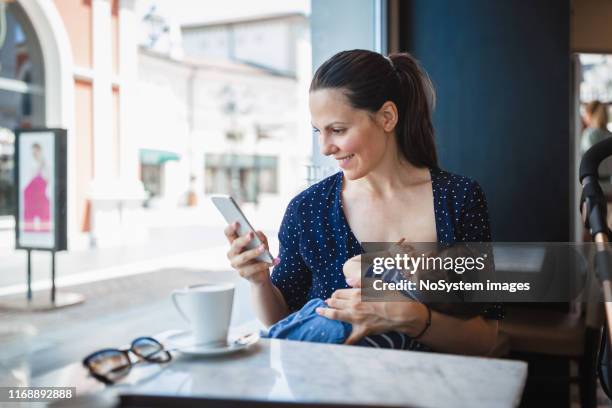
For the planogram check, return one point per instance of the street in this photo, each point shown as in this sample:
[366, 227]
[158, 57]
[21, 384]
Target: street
[202, 246]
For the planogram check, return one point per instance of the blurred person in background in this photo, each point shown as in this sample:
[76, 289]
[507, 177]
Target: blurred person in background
[596, 118]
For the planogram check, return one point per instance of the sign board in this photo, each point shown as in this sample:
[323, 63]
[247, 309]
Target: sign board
[40, 181]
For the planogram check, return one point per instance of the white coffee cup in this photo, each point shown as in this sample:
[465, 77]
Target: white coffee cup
[208, 309]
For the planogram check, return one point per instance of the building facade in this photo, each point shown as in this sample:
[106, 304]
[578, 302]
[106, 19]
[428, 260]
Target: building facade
[70, 64]
[270, 41]
[163, 129]
[220, 127]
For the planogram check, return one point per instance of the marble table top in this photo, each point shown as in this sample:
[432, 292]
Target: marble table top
[282, 370]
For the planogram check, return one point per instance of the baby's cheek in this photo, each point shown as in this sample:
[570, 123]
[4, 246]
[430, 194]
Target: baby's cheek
[352, 269]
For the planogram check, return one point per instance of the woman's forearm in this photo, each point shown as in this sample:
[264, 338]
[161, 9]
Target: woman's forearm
[475, 336]
[269, 303]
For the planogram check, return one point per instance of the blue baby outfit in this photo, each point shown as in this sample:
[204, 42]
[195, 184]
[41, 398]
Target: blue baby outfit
[307, 325]
[316, 241]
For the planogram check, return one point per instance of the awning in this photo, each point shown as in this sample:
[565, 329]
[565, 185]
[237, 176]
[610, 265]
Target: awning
[157, 157]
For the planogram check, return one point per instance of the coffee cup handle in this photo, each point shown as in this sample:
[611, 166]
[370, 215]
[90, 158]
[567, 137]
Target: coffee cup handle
[176, 304]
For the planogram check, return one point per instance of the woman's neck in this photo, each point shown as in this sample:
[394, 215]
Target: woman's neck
[390, 176]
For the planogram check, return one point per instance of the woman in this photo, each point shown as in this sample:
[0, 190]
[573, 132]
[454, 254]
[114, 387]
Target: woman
[36, 205]
[596, 119]
[373, 115]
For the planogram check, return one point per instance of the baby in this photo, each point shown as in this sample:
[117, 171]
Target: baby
[307, 325]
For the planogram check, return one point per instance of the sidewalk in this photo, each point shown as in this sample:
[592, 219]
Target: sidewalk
[115, 312]
[200, 246]
[127, 289]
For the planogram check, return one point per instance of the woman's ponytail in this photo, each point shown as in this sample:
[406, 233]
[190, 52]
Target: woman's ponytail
[416, 100]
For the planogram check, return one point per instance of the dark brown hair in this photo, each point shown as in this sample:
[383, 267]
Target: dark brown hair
[369, 79]
[598, 112]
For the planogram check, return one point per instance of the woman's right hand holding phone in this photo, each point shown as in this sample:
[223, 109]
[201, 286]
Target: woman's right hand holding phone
[251, 269]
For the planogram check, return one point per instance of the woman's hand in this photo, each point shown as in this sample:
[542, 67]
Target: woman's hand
[373, 317]
[346, 305]
[244, 262]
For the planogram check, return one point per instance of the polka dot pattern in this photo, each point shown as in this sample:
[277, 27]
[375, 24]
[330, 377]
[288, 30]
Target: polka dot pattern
[316, 240]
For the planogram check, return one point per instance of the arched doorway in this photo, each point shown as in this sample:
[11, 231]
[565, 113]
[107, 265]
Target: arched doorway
[48, 78]
[22, 103]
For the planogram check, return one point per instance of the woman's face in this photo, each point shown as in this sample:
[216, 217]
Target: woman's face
[36, 152]
[354, 137]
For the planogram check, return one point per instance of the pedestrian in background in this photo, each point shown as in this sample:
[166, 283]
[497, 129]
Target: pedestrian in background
[596, 118]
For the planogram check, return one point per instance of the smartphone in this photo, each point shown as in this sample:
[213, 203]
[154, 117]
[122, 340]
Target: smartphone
[230, 210]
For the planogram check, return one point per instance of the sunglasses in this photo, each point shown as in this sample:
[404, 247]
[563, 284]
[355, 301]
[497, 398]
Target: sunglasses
[110, 365]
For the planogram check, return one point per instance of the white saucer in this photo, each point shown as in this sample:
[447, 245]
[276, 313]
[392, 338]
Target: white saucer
[184, 343]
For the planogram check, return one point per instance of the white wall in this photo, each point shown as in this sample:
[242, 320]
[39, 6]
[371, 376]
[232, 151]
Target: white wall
[166, 90]
[269, 42]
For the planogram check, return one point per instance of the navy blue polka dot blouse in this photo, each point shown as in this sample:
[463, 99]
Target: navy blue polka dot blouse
[316, 240]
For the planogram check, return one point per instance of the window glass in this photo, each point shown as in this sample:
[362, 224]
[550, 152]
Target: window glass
[231, 101]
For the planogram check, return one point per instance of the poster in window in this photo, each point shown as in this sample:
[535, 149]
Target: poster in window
[41, 194]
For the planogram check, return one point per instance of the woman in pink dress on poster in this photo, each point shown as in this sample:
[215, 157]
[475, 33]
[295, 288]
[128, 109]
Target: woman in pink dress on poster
[36, 206]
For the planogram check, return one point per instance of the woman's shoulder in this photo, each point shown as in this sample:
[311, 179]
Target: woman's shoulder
[319, 194]
[454, 183]
[455, 193]
[461, 208]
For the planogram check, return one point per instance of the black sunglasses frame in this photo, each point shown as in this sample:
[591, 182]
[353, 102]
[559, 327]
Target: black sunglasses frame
[126, 352]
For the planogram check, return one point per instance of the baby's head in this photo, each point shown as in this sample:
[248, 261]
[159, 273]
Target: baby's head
[352, 271]
[352, 267]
